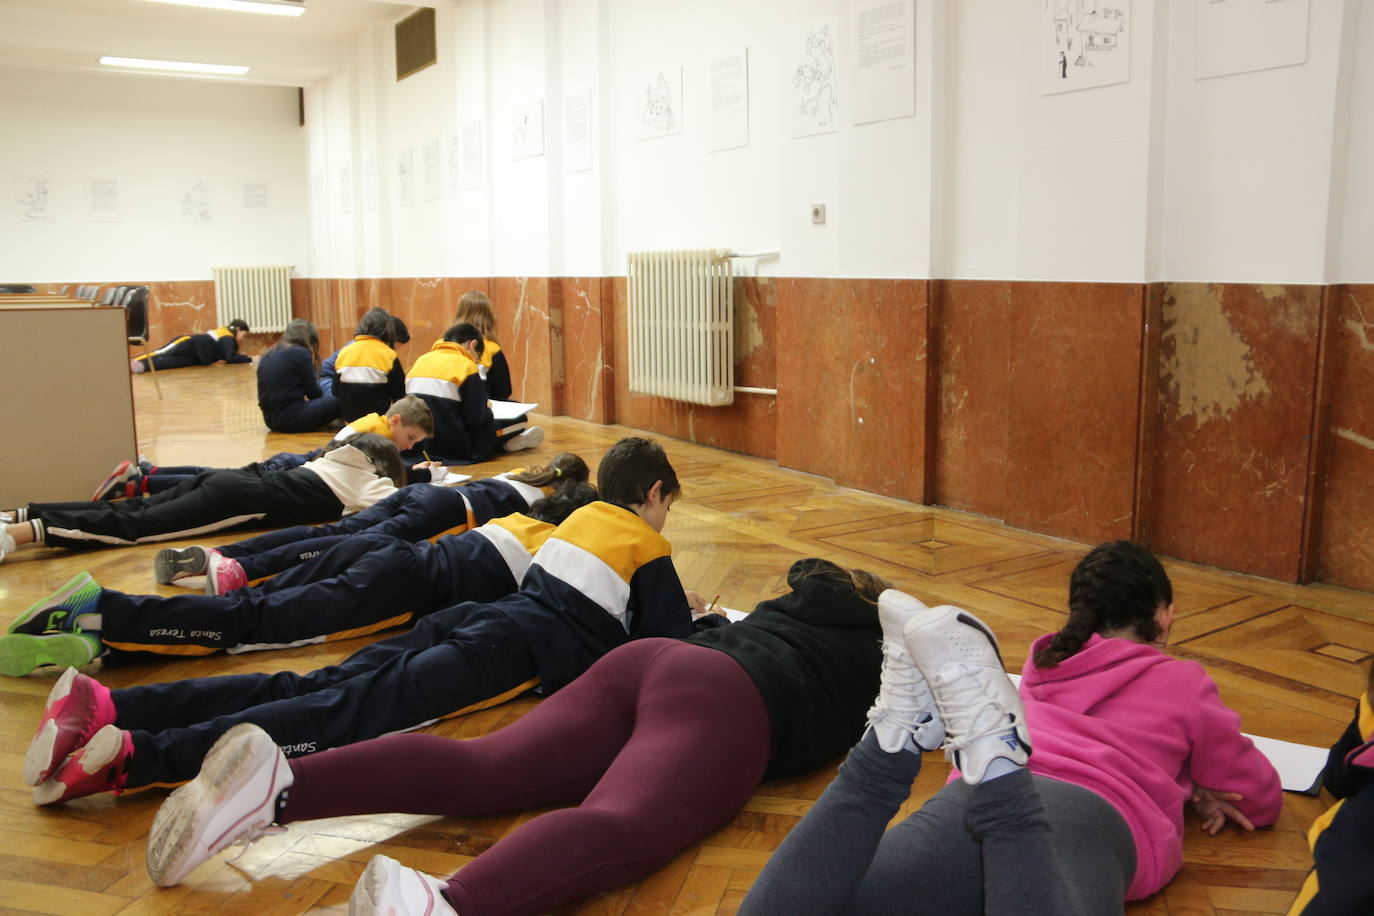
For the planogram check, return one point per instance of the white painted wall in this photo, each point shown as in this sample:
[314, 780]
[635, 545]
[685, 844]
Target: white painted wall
[1257, 177]
[1249, 159]
[153, 135]
[1352, 193]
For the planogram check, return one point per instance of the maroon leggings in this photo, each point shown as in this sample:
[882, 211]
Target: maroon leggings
[659, 743]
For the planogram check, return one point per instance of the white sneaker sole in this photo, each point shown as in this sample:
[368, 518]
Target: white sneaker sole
[38, 762]
[103, 748]
[194, 824]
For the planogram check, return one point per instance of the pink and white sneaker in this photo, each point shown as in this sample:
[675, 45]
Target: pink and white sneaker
[388, 888]
[223, 574]
[78, 706]
[98, 766]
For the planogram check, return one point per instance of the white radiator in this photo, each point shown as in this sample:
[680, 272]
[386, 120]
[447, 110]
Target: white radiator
[681, 325]
[260, 296]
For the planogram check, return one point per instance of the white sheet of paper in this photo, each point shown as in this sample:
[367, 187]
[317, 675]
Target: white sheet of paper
[452, 480]
[734, 615]
[884, 70]
[1300, 765]
[510, 410]
[727, 116]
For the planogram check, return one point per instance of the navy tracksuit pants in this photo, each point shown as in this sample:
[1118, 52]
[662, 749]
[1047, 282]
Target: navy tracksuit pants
[367, 583]
[454, 659]
[418, 512]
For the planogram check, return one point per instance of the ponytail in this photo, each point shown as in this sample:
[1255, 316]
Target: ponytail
[866, 585]
[1118, 586]
[563, 469]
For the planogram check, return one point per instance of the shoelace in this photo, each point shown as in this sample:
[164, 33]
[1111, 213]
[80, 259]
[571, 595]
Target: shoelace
[902, 684]
[969, 709]
[246, 839]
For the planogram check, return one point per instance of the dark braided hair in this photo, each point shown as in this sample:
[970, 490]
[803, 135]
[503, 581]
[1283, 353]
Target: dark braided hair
[1117, 586]
[562, 502]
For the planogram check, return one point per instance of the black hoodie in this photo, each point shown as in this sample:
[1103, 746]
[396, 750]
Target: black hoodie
[814, 655]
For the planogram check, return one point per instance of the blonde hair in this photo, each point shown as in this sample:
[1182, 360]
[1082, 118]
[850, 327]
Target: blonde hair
[474, 308]
[413, 411]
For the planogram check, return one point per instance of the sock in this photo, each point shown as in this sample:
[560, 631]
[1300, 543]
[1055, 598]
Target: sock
[39, 533]
[88, 623]
[1000, 766]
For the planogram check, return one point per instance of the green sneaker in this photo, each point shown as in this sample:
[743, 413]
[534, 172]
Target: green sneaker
[59, 610]
[21, 653]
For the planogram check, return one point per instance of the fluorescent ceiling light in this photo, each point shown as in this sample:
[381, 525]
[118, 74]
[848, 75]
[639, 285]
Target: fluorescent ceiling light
[272, 7]
[141, 64]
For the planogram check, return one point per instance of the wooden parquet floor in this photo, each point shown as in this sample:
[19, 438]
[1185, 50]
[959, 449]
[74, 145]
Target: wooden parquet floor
[1289, 659]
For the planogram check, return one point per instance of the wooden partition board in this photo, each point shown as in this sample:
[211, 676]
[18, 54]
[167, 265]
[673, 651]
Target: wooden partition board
[68, 402]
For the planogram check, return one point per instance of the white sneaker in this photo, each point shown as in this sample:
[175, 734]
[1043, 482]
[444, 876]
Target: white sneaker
[232, 800]
[7, 545]
[904, 712]
[388, 888]
[173, 563]
[530, 438]
[981, 710]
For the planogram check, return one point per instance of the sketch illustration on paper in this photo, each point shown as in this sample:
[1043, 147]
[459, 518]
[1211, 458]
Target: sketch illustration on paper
[815, 95]
[454, 164]
[405, 177]
[195, 203]
[1086, 43]
[660, 111]
[34, 198]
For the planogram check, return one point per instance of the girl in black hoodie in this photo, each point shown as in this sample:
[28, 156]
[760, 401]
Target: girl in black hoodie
[656, 745]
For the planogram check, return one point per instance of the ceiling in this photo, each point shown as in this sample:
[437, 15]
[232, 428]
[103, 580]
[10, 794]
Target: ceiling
[279, 50]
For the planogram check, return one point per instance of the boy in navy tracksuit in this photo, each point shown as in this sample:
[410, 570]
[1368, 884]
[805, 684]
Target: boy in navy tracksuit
[449, 378]
[603, 577]
[197, 349]
[415, 513]
[365, 584]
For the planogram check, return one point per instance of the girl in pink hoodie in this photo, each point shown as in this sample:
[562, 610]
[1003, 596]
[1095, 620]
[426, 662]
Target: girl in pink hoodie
[1111, 711]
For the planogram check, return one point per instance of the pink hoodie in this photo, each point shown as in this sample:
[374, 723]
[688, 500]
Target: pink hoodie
[1138, 727]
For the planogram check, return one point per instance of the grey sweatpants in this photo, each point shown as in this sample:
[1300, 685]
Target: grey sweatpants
[1019, 844]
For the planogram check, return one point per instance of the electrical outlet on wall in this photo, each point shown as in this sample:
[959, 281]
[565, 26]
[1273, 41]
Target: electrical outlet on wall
[818, 214]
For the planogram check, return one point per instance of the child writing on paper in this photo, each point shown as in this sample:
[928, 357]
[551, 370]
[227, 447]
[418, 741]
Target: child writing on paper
[1123, 734]
[405, 423]
[448, 380]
